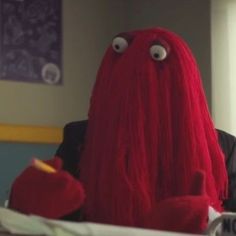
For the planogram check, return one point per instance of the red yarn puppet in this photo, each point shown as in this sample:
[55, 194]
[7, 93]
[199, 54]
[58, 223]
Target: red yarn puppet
[151, 156]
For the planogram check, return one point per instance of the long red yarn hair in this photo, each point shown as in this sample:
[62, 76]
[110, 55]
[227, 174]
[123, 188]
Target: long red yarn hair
[149, 131]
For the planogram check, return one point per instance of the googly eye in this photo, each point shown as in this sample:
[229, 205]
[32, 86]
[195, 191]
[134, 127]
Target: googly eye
[119, 44]
[158, 52]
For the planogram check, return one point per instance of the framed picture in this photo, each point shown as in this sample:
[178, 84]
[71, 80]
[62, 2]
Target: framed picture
[31, 41]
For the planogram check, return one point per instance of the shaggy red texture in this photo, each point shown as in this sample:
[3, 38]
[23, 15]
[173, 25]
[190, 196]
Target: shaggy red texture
[149, 132]
[45, 194]
[151, 156]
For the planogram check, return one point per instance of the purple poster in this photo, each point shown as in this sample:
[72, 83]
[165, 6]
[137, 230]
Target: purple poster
[31, 41]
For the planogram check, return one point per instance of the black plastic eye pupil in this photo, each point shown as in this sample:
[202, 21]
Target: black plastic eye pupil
[156, 55]
[117, 46]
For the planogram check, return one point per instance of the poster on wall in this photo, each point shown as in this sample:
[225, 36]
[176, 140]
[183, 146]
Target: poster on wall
[31, 41]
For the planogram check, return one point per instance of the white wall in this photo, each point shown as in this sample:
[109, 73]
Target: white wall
[224, 64]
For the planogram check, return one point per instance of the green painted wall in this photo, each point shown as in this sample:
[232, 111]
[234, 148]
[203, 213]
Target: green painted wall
[14, 158]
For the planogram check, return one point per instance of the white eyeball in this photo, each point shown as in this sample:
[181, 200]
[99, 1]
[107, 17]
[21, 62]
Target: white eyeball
[119, 44]
[158, 52]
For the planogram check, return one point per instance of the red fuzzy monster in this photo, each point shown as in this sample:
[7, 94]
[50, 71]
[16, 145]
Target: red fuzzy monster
[151, 157]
